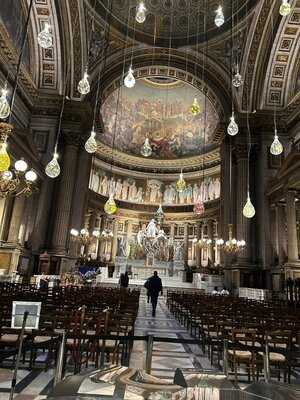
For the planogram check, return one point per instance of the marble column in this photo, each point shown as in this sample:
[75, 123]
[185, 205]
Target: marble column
[197, 248]
[186, 242]
[210, 250]
[16, 220]
[243, 229]
[102, 245]
[65, 197]
[128, 235]
[292, 242]
[115, 240]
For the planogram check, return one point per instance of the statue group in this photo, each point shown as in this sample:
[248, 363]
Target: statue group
[154, 191]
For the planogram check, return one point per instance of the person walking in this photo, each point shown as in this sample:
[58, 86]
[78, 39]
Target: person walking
[154, 287]
[124, 280]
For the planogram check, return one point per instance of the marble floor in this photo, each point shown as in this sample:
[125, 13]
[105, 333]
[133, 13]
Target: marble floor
[166, 356]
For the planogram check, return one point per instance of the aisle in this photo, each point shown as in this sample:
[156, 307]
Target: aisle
[166, 356]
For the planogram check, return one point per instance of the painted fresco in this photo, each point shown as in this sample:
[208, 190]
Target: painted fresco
[160, 112]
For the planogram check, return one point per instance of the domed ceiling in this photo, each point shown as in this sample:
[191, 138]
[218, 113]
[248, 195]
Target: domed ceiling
[160, 110]
[181, 18]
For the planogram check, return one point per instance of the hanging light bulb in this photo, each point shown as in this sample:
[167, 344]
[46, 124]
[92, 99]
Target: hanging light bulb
[248, 210]
[45, 39]
[146, 149]
[84, 85]
[52, 168]
[276, 147]
[219, 18]
[237, 80]
[140, 15]
[232, 128]
[129, 80]
[195, 107]
[91, 144]
[4, 105]
[285, 8]
[180, 184]
[4, 157]
[110, 206]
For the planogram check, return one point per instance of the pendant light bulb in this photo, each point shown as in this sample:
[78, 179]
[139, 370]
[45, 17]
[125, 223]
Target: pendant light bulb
[248, 210]
[45, 39]
[110, 206]
[232, 128]
[84, 85]
[52, 168]
[276, 147]
[146, 149]
[180, 184]
[219, 18]
[129, 80]
[140, 15]
[91, 144]
[285, 8]
[4, 157]
[237, 80]
[195, 107]
[4, 105]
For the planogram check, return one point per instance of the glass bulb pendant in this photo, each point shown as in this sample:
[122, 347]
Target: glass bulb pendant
[91, 144]
[146, 149]
[140, 15]
[195, 107]
[84, 85]
[276, 147]
[285, 8]
[4, 158]
[180, 184]
[52, 168]
[45, 39]
[129, 80]
[237, 80]
[110, 206]
[248, 210]
[219, 18]
[4, 105]
[232, 128]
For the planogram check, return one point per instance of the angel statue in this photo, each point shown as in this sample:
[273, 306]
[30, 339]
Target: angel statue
[151, 228]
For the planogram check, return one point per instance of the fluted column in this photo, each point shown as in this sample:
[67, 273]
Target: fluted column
[16, 220]
[65, 197]
[243, 224]
[197, 248]
[210, 236]
[292, 242]
[186, 242]
[115, 240]
[128, 235]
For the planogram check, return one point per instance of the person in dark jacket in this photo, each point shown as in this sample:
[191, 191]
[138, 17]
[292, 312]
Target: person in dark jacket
[154, 287]
[124, 280]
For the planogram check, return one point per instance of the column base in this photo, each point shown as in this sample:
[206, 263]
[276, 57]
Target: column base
[292, 269]
[60, 263]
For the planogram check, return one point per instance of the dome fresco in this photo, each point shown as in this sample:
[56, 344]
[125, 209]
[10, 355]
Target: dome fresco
[161, 112]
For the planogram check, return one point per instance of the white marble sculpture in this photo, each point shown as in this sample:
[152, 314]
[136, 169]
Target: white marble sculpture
[151, 228]
[119, 187]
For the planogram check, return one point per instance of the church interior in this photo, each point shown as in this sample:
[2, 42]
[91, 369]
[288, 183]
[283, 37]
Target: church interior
[149, 199]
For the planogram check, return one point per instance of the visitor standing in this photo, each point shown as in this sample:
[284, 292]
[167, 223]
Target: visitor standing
[154, 287]
[124, 280]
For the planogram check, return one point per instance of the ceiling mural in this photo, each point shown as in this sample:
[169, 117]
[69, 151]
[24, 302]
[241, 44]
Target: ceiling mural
[159, 110]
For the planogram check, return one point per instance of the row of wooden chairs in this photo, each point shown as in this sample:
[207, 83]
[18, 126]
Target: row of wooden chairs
[246, 325]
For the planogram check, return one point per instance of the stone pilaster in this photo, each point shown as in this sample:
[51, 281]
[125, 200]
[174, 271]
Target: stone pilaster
[186, 242]
[65, 198]
[210, 251]
[115, 240]
[197, 248]
[243, 229]
[16, 220]
[292, 242]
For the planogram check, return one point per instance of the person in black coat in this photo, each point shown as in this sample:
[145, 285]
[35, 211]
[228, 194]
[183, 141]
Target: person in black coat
[154, 287]
[124, 280]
